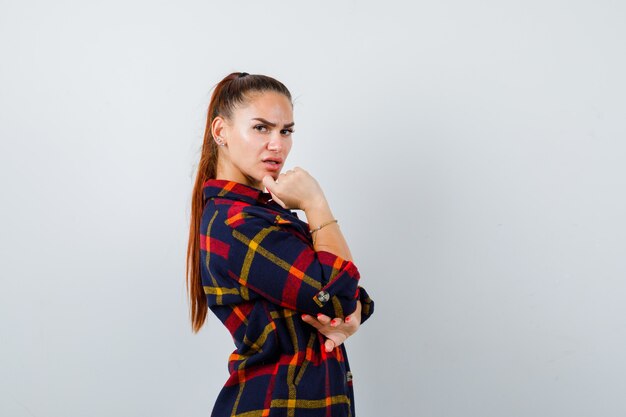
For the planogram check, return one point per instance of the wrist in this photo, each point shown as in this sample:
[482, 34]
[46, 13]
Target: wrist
[318, 204]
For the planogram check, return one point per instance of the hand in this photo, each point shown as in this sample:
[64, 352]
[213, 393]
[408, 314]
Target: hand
[335, 330]
[294, 189]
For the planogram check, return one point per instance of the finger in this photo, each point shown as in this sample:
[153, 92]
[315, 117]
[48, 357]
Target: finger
[329, 345]
[310, 320]
[352, 318]
[335, 322]
[323, 318]
[269, 183]
[278, 200]
[352, 325]
[356, 315]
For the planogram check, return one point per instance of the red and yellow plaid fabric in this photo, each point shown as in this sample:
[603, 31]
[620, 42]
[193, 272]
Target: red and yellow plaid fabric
[260, 273]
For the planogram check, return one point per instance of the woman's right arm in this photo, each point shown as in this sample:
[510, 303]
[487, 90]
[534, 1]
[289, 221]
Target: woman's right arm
[255, 249]
[298, 189]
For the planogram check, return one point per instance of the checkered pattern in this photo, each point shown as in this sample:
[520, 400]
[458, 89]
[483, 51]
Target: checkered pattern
[260, 273]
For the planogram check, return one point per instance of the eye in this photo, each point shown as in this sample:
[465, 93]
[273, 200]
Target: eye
[287, 132]
[260, 128]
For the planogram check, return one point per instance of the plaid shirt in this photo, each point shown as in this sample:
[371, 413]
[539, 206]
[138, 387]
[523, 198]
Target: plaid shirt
[260, 273]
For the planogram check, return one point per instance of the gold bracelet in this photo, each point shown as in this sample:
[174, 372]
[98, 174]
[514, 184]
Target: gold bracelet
[323, 224]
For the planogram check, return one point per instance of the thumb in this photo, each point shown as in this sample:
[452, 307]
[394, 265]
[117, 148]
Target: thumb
[329, 344]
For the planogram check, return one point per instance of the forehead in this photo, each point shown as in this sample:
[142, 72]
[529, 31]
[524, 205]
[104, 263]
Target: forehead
[269, 105]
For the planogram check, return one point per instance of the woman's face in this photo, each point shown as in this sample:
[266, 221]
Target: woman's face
[257, 139]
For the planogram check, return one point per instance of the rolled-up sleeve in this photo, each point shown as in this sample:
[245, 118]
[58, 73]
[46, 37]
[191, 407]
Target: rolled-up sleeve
[267, 259]
[367, 304]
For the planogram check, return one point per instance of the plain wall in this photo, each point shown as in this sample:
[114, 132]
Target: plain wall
[473, 153]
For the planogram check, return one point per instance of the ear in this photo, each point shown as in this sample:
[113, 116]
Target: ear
[219, 128]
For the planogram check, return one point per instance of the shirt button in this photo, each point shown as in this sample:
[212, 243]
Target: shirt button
[323, 296]
[348, 376]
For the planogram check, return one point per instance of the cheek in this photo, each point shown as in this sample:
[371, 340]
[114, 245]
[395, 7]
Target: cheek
[288, 145]
[246, 147]
[252, 151]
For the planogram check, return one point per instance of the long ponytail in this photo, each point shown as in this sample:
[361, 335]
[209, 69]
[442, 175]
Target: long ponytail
[227, 94]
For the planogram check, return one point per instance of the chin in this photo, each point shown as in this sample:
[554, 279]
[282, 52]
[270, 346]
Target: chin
[271, 174]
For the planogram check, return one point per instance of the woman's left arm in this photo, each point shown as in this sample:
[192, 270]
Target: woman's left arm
[336, 330]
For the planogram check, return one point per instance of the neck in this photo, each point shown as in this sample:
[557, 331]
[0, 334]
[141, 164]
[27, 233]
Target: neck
[226, 171]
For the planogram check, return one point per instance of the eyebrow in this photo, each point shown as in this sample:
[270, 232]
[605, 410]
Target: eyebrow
[260, 119]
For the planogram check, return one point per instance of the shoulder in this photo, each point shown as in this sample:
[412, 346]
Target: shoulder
[232, 214]
[250, 218]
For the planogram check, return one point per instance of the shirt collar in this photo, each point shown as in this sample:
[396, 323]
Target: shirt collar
[236, 191]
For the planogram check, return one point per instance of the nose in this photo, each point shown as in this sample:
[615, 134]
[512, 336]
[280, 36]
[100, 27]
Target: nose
[275, 143]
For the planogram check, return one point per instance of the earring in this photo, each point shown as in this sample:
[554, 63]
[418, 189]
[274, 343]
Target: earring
[219, 142]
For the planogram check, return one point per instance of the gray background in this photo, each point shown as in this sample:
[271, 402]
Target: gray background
[473, 153]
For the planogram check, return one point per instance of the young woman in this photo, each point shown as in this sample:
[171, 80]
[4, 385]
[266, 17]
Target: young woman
[286, 290]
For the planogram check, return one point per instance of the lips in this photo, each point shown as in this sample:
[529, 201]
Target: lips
[272, 164]
[278, 161]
